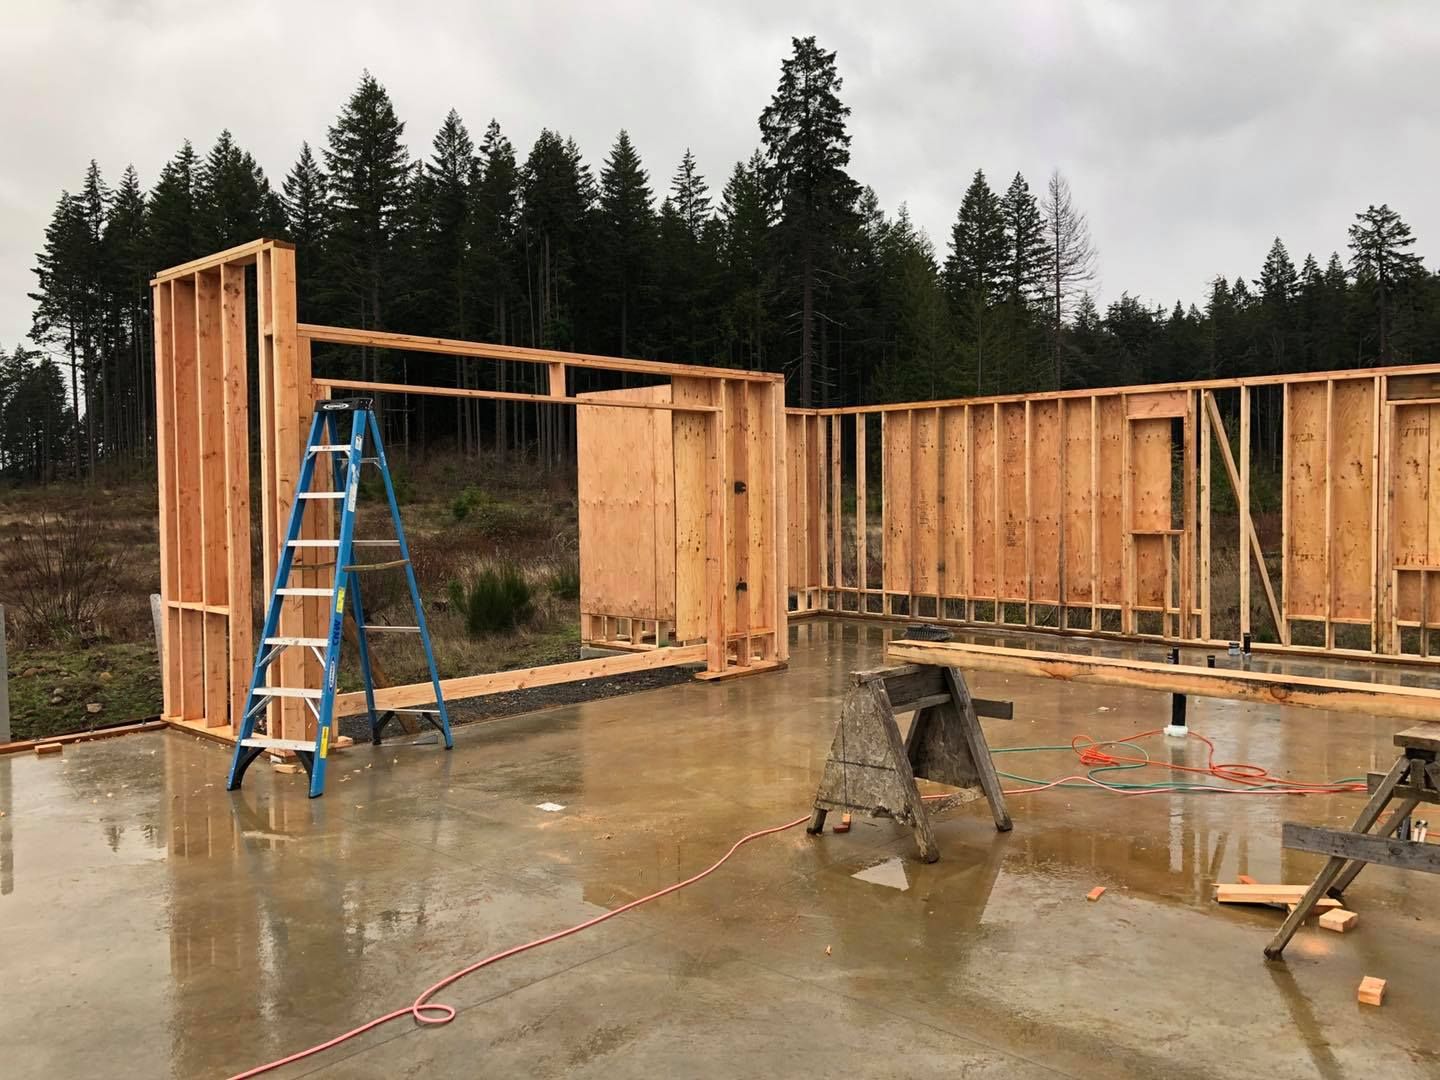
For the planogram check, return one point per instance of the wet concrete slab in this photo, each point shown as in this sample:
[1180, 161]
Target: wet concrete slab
[154, 925]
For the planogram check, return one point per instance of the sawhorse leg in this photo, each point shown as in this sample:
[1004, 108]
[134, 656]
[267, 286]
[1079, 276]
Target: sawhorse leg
[1335, 864]
[979, 748]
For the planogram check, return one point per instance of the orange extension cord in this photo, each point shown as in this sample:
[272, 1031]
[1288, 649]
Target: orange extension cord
[430, 1013]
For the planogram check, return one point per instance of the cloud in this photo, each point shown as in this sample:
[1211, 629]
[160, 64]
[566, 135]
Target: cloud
[1191, 134]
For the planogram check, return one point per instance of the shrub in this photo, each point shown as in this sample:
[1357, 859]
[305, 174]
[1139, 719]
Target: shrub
[564, 580]
[60, 572]
[372, 487]
[471, 499]
[494, 600]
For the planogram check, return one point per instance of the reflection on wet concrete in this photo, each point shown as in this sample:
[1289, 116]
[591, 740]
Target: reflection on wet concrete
[206, 932]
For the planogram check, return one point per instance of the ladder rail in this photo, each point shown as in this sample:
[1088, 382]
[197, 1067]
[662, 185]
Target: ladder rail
[255, 703]
[404, 544]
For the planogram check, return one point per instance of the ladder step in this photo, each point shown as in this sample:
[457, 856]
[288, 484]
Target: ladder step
[330, 448]
[279, 744]
[391, 629]
[294, 590]
[314, 543]
[317, 642]
[321, 494]
[368, 567]
[289, 691]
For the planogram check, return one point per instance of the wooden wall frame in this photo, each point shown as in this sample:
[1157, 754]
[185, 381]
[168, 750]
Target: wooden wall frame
[1094, 512]
[722, 445]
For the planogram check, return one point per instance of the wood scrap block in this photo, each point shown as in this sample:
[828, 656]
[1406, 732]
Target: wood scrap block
[1339, 920]
[1246, 879]
[341, 742]
[1095, 893]
[288, 767]
[41, 749]
[1324, 904]
[1371, 991]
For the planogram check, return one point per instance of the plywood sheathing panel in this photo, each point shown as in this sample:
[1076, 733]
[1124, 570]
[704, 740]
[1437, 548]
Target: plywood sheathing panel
[954, 464]
[1111, 420]
[1414, 463]
[983, 517]
[1014, 526]
[897, 510]
[626, 483]
[1352, 499]
[1151, 515]
[1306, 483]
[760, 485]
[1047, 475]
[691, 507]
[925, 495]
[1079, 500]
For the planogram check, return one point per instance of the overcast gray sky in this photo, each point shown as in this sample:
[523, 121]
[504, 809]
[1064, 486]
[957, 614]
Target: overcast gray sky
[1192, 133]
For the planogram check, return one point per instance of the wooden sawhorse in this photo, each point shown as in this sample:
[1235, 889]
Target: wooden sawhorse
[1412, 780]
[871, 770]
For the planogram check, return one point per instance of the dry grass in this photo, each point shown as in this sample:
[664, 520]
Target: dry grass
[532, 520]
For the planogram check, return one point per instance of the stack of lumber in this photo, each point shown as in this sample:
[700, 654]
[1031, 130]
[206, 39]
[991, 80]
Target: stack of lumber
[1333, 915]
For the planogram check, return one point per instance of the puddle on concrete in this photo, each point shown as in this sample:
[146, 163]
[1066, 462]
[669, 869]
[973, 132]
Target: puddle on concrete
[890, 873]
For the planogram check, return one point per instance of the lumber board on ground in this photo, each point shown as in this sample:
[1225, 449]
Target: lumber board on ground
[1226, 893]
[499, 682]
[1335, 695]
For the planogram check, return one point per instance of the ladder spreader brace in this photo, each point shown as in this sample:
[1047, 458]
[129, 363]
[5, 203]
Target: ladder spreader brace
[325, 436]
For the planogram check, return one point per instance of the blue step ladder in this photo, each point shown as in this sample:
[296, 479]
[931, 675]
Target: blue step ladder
[349, 455]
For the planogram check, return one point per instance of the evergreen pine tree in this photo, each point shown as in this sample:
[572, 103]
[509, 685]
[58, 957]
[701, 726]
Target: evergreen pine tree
[807, 154]
[306, 199]
[974, 271]
[626, 236]
[558, 195]
[65, 293]
[171, 222]
[1027, 255]
[1278, 284]
[370, 181]
[691, 195]
[746, 217]
[128, 373]
[447, 204]
[233, 200]
[496, 194]
[1383, 264]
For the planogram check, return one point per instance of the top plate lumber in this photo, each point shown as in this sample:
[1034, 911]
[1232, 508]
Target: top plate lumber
[239, 255]
[381, 339]
[1335, 695]
[1432, 370]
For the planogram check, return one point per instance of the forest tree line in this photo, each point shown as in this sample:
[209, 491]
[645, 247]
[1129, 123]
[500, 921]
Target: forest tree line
[789, 265]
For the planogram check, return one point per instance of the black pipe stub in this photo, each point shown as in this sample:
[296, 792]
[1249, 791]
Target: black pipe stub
[926, 632]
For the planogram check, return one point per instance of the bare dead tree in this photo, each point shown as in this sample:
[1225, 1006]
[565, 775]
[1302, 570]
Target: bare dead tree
[1072, 260]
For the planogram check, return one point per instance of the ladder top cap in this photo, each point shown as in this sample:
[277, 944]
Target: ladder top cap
[345, 404]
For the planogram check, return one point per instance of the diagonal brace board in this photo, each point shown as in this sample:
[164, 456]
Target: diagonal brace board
[1223, 439]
